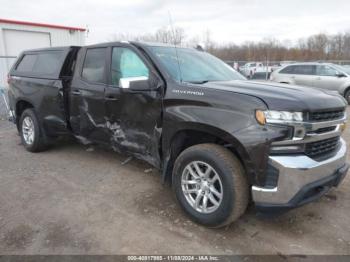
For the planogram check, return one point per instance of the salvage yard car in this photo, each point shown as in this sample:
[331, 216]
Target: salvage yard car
[320, 75]
[218, 139]
[254, 70]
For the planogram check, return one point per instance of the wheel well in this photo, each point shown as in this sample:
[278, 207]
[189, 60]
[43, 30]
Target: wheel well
[20, 107]
[346, 90]
[187, 138]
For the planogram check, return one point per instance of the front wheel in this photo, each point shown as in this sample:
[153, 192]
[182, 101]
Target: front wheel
[210, 185]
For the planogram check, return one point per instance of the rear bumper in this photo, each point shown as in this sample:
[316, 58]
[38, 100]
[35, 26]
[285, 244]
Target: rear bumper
[300, 180]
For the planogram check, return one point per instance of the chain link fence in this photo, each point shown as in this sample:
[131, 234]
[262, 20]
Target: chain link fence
[5, 65]
[4, 110]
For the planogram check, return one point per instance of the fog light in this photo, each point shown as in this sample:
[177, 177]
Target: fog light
[287, 149]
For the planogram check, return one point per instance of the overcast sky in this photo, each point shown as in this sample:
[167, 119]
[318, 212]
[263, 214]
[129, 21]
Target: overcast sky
[228, 21]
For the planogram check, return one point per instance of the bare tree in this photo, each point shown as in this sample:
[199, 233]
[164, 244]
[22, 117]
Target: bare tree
[316, 47]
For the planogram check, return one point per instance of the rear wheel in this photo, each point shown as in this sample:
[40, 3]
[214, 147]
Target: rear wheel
[210, 185]
[30, 131]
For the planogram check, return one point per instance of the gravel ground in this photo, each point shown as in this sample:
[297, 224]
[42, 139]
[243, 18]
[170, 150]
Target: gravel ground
[77, 200]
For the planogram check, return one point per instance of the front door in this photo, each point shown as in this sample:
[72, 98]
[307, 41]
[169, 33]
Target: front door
[133, 117]
[326, 78]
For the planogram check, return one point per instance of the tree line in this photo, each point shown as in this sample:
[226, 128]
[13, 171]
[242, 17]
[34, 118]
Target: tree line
[315, 47]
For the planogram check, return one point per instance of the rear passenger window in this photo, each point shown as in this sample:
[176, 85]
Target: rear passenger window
[46, 63]
[94, 65]
[288, 70]
[27, 63]
[305, 70]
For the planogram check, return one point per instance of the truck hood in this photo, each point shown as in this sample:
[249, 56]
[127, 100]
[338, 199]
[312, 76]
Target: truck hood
[284, 97]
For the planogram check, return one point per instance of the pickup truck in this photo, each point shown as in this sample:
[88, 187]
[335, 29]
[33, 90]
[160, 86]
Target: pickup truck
[219, 140]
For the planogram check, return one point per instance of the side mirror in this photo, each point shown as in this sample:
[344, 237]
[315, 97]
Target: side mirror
[340, 74]
[140, 83]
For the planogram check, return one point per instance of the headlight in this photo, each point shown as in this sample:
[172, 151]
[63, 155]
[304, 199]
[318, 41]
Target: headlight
[271, 116]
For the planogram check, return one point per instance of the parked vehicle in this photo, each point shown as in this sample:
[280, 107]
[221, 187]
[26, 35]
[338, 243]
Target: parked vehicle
[219, 140]
[346, 68]
[321, 75]
[286, 62]
[254, 70]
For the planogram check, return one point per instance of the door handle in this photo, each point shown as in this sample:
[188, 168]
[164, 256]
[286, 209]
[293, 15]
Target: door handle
[111, 98]
[76, 92]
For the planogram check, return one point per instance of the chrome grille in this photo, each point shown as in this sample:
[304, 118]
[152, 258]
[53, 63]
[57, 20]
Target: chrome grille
[321, 148]
[326, 115]
[325, 129]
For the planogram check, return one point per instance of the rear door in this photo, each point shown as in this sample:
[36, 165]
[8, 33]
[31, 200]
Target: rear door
[304, 75]
[326, 77]
[87, 111]
[35, 78]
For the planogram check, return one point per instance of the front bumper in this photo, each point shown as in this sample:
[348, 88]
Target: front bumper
[300, 180]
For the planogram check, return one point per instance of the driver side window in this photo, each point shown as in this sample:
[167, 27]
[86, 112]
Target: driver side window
[126, 63]
[324, 70]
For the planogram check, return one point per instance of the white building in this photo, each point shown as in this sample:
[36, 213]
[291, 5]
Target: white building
[16, 36]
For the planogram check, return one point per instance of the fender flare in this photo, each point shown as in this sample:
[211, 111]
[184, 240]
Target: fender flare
[232, 142]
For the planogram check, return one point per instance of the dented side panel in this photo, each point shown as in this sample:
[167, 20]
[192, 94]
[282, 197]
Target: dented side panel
[87, 112]
[134, 123]
[129, 122]
[46, 97]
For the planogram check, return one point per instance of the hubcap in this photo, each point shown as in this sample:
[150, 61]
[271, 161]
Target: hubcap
[202, 187]
[28, 130]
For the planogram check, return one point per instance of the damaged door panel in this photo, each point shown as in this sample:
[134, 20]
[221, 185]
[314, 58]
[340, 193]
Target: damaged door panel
[133, 116]
[87, 111]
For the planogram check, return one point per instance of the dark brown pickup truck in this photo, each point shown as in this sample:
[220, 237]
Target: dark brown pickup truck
[220, 141]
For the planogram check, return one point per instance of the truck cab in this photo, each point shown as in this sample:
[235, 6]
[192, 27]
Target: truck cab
[220, 141]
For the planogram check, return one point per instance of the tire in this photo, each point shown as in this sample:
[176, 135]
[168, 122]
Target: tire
[29, 124]
[232, 184]
[347, 96]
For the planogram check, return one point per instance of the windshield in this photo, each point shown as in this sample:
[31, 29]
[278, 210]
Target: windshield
[195, 66]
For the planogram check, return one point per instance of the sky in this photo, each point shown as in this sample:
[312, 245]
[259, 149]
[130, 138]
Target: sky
[227, 20]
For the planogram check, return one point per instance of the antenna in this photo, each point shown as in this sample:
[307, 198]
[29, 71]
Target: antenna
[174, 39]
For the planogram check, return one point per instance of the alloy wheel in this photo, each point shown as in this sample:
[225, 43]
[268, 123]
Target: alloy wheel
[202, 187]
[28, 130]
